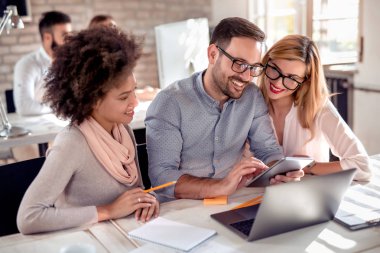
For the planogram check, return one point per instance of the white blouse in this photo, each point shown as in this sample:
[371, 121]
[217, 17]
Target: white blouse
[331, 132]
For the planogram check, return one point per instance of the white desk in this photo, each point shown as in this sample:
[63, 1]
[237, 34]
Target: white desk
[326, 237]
[104, 236]
[44, 128]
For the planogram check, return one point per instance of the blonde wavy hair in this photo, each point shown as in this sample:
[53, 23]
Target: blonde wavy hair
[313, 93]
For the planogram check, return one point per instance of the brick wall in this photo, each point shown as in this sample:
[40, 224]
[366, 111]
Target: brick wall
[139, 16]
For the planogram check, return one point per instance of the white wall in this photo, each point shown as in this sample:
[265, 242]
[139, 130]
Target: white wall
[366, 120]
[228, 8]
[368, 74]
[366, 108]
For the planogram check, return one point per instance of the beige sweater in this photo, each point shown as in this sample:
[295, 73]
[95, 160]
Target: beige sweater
[68, 188]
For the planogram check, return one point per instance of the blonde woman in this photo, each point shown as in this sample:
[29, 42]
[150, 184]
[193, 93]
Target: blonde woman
[306, 123]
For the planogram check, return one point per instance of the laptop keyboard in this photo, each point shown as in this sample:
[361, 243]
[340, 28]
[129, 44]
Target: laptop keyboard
[243, 226]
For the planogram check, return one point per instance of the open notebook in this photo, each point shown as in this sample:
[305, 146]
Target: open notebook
[172, 234]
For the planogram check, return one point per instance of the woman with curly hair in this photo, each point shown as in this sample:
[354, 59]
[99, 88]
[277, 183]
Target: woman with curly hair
[91, 172]
[306, 123]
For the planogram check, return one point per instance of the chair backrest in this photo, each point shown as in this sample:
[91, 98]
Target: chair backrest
[15, 179]
[10, 101]
[142, 155]
[140, 135]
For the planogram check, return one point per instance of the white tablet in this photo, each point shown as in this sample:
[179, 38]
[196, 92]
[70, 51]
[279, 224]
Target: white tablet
[280, 167]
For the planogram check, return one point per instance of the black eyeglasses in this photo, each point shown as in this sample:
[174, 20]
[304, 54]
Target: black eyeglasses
[289, 82]
[240, 67]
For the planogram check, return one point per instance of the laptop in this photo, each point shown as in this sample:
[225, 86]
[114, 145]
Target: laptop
[289, 206]
[360, 208]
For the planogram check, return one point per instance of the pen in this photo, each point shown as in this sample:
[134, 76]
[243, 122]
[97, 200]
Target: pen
[160, 186]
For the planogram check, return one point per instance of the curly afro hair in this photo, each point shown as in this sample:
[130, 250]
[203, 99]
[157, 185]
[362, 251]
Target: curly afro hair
[86, 67]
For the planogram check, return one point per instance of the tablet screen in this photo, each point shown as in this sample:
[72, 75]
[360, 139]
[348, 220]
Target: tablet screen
[280, 167]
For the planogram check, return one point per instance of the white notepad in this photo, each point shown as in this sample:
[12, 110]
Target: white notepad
[172, 234]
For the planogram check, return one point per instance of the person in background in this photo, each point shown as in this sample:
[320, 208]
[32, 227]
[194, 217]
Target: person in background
[147, 93]
[197, 128]
[105, 20]
[305, 121]
[91, 173]
[31, 69]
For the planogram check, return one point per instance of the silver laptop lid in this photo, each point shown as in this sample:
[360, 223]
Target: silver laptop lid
[295, 205]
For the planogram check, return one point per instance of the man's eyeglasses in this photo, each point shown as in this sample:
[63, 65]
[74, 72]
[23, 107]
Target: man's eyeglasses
[289, 82]
[240, 67]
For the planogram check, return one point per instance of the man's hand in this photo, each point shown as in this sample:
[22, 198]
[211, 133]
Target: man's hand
[241, 173]
[191, 187]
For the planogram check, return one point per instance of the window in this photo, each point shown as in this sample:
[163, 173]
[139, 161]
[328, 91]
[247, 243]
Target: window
[333, 24]
[335, 29]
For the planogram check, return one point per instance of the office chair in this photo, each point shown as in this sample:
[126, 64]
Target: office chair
[10, 101]
[15, 179]
[140, 135]
[142, 156]
[6, 154]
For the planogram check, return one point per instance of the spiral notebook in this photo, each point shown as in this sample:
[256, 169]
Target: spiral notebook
[172, 234]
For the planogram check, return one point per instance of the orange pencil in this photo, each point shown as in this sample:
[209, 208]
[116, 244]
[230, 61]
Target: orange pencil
[251, 202]
[160, 186]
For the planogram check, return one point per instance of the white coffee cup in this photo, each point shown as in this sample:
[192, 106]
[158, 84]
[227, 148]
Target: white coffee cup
[78, 248]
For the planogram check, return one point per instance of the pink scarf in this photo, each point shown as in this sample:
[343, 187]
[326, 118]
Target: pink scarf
[117, 154]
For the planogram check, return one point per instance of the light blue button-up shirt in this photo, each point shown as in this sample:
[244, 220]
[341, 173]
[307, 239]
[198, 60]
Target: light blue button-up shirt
[188, 133]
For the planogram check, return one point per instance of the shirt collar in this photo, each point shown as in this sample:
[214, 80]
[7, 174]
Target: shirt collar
[206, 97]
[44, 54]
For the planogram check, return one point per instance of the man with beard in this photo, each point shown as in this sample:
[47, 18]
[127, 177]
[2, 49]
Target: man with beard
[197, 128]
[30, 70]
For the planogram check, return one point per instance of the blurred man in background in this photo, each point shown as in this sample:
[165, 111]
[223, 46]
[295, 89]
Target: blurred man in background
[30, 70]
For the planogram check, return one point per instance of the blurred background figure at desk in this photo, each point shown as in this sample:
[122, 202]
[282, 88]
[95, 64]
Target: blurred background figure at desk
[145, 93]
[30, 70]
[101, 20]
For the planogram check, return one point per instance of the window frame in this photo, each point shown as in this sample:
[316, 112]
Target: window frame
[260, 17]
